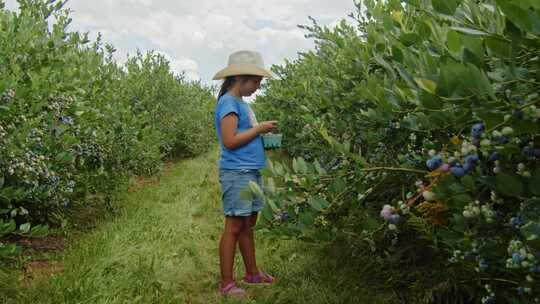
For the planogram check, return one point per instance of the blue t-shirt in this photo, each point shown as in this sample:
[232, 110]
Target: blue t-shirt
[249, 156]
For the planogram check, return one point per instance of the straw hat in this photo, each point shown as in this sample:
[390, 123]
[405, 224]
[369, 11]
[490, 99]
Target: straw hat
[244, 63]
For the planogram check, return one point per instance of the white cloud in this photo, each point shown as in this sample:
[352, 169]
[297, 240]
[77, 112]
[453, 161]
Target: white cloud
[198, 36]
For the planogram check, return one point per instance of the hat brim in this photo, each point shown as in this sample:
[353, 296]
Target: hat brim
[243, 69]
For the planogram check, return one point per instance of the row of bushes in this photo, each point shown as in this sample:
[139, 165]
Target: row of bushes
[415, 132]
[73, 122]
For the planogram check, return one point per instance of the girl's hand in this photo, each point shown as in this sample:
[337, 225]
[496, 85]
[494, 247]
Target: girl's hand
[266, 126]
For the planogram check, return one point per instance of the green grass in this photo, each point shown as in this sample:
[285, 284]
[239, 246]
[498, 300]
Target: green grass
[162, 247]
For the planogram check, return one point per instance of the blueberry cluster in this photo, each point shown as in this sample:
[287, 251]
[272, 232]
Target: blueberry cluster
[517, 221]
[68, 120]
[388, 213]
[530, 151]
[7, 95]
[521, 258]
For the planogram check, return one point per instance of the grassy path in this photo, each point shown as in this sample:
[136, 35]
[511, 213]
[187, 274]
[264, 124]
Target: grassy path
[162, 248]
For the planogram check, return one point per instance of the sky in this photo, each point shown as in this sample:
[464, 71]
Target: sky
[197, 36]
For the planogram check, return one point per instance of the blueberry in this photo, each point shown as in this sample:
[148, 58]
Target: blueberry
[516, 221]
[477, 130]
[494, 156]
[434, 163]
[284, 216]
[534, 269]
[520, 220]
[457, 171]
[516, 257]
[528, 151]
[502, 140]
[66, 120]
[536, 152]
[471, 159]
[445, 167]
[468, 167]
[394, 218]
[518, 114]
[520, 290]
[482, 264]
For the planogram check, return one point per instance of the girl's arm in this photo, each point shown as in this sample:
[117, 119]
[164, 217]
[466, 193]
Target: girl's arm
[233, 140]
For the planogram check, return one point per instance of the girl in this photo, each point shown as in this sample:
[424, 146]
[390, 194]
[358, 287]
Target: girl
[242, 155]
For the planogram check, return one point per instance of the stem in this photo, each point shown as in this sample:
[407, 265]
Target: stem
[394, 169]
[494, 279]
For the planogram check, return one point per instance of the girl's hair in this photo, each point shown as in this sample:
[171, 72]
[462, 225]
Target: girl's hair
[231, 80]
[226, 85]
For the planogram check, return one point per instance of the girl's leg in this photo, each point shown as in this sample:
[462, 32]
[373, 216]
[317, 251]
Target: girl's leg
[247, 245]
[227, 246]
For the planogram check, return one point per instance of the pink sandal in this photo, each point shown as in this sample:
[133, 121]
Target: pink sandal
[232, 290]
[259, 279]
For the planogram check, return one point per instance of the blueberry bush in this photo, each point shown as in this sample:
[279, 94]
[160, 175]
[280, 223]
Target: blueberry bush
[75, 123]
[414, 137]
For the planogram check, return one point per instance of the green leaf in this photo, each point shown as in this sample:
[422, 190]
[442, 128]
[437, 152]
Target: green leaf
[468, 182]
[450, 237]
[526, 19]
[409, 39]
[525, 126]
[369, 223]
[25, 228]
[272, 205]
[531, 231]
[338, 185]
[267, 213]
[7, 227]
[10, 250]
[306, 219]
[458, 223]
[490, 118]
[453, 41]
[426, 84]
[39, 230]
[499, 47]
[447, 7]
[271, 185]
[320, 170]
[295, 166]
[302, 166]
[64, 157]
[318, 203]
[468, 31]
[508, 184]
[255, 189]
[463, 80]
[384, 64]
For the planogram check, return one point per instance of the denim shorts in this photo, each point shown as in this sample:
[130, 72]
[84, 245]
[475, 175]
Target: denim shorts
[233, 182]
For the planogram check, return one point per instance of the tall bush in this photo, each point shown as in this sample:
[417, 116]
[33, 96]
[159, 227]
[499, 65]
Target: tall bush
[415, 137]
[74, 123]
